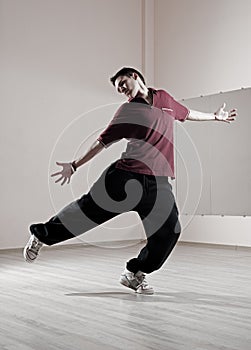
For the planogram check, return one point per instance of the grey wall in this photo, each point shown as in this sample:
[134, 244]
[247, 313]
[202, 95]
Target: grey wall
[214, 159]
[202, 46]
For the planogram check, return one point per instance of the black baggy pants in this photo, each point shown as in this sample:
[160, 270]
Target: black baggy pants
[115, 192]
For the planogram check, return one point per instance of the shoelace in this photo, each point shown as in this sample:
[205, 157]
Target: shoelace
[142, 280]
[35, 245]
[144, 283]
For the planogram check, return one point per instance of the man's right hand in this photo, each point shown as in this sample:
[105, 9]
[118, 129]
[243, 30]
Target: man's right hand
[65, 174]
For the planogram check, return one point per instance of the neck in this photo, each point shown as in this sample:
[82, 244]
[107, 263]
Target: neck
[146, 95]
[143, 92]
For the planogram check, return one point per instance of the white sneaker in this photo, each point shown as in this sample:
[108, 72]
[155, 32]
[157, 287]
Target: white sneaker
[32, 249]
[136, 282]
[144, 288]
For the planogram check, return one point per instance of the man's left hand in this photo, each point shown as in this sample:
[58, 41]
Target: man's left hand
[224, 116]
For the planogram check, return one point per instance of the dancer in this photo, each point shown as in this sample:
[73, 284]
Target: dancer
[137, 181]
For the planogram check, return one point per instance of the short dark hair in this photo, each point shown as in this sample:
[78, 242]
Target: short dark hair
[126, 71]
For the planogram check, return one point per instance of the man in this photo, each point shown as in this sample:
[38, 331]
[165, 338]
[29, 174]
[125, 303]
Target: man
[137, 181]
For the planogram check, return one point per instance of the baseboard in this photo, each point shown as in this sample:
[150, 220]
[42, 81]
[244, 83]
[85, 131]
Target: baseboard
[103, 244]
[214, 245]
[121, 244]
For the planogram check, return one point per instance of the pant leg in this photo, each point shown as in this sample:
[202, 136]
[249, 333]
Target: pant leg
[159, 214]
[102, 203]
[75, 219]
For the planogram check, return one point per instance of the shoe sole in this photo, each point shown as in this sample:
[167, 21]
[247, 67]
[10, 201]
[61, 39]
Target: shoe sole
[136, 290]
[26, 257]
[145, 292]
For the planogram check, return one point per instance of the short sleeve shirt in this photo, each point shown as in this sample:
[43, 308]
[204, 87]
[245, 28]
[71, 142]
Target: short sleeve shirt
[149, 131]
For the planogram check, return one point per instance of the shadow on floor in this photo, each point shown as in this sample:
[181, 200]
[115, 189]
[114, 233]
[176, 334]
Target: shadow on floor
[173, 297]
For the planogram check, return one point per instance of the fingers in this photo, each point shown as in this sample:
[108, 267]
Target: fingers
[64, 181]
[230, 119]
[65, 173]
[64, 178]
[233, 113]
[232, 116]
[59, 172]
[223, 106]
[227, 120]
[59, 179]
[55, 174]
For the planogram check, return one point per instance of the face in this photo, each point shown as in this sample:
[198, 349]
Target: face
[128, 86]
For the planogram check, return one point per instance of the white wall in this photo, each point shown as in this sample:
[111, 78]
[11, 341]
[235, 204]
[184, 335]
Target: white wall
[202, 46]
[226, 230]
[56, 60]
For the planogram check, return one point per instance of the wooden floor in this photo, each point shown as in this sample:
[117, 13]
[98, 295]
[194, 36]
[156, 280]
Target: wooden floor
[70, 299]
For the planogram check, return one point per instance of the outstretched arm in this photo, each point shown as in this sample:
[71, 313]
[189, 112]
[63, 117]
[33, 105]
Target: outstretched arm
[70, 168]
[219, 115]
[92, 152]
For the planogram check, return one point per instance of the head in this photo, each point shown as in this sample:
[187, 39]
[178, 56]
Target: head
[128, 81]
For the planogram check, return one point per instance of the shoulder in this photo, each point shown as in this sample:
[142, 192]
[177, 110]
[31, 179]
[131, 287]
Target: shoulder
[162, 93]
[162, 98]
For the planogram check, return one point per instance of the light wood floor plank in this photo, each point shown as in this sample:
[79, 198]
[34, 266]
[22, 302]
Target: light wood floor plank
[70, 299]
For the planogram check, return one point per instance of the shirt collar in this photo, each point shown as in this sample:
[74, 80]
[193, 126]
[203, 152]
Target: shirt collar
[140, 99]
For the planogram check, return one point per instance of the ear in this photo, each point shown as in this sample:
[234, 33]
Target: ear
[135, 76]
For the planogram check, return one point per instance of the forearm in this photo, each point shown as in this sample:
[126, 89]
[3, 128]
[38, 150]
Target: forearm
[200, 116]
[92, 152]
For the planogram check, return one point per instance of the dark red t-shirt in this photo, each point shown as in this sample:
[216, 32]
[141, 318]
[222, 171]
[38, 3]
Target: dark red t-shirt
[149, 131]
